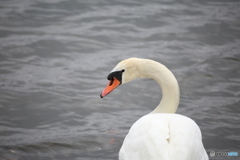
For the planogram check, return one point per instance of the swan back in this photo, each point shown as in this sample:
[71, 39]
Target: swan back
[163, 136]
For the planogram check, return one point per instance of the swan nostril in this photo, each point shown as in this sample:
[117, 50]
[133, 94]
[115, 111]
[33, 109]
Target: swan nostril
[111, 82]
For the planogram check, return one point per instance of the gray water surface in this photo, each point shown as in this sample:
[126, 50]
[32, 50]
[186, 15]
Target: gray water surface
[55, 56]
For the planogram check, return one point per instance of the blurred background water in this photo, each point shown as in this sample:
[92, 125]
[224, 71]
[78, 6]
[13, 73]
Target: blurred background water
[55, 56]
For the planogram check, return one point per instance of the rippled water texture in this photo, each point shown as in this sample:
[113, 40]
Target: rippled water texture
[55, 56]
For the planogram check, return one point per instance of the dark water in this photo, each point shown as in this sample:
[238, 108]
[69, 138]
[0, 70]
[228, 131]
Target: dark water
[55, 56]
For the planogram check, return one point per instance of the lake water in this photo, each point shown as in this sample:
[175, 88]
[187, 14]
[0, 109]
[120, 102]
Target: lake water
[55, 56]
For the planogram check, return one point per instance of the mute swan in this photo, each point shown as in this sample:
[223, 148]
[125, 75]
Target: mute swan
[160, 135]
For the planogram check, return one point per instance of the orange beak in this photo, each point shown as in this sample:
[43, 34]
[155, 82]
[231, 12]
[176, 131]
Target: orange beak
[110, 87]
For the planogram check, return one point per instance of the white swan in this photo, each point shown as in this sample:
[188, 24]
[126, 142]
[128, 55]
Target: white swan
[160, 135]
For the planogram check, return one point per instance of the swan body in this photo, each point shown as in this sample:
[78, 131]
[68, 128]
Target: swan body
[161, 134]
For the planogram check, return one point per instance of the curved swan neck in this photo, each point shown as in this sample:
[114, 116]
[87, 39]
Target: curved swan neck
[168, 83]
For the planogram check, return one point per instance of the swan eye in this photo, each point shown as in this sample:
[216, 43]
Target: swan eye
[123, 70]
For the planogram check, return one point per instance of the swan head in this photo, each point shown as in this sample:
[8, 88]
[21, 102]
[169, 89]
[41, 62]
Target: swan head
[125, 71]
